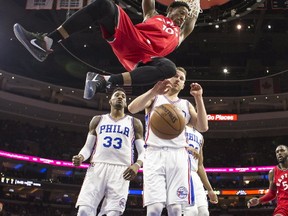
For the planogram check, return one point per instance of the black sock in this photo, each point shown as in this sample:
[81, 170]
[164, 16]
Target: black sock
[116, 79]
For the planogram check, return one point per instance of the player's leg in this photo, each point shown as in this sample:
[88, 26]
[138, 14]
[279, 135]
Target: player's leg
[103, 12]
[149, 73]
[174, 210]
[91, 192]
[154, 193]
[86, 211]
[179, 190]
[190, 210]
[116, 192]
[201, 201]
[155, 209]
[145, 74]
[113, 213]
[203, 211]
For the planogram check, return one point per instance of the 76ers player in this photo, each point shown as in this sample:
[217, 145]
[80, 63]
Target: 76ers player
[140, 48]
[278, 184]
[165, 171]
[110, 145]
[199, 176]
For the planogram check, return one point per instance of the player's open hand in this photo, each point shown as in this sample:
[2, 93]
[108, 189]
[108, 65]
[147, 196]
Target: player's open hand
[193, 152]
[212, 197]
[253, 202]
[77, 160]
[162, 87]
[131, 172]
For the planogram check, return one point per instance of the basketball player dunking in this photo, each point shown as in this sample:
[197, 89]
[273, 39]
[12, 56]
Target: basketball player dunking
[166, 161]
[140, 48]
[110, 143]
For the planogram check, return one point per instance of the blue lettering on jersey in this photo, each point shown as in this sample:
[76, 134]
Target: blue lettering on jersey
[194, 138]
[118, 129]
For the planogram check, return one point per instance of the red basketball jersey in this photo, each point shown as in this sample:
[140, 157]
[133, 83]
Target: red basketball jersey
[156, 37]
[281, 181]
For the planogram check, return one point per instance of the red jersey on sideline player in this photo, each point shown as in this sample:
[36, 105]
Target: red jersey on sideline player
[278, 184]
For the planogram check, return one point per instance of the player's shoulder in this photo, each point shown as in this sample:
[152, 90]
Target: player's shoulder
[97, 118]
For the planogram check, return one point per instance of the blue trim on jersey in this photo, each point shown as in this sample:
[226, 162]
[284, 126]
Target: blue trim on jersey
[192, 193]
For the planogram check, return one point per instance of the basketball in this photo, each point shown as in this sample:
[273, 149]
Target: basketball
[167, 121]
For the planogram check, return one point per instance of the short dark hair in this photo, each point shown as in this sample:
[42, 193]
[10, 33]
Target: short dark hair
[176, 4]
[118, 89]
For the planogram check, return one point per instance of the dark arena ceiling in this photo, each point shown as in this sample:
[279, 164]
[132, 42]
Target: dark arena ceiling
[247, 37]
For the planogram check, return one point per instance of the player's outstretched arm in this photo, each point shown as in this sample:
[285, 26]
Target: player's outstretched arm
[187, 28]
[268, 196]
[131, 172]
[87, 149]
[145, 100]
[203, 176]
[148, 8]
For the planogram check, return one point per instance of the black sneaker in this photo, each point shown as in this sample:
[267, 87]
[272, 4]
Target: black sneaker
[37, 44]
[95, 83]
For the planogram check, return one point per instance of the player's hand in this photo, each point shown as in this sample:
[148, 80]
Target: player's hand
[196, 90]
[212, 197]
[253, 202]
[131, 172]
[77, 160]
[161, 87]
[193, 151]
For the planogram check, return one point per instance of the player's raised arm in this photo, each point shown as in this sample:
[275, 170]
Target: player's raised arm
[148, 8]
[190, 21]
[187, 27]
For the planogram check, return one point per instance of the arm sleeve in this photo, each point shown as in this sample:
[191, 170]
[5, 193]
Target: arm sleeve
[268, 196]
[88, 147]
[140, 148]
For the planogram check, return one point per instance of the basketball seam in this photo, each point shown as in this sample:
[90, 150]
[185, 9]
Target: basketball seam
[166, 122]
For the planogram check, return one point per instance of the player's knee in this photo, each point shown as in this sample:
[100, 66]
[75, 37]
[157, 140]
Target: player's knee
[175, 210]
[102, 7]
[203, 211]
[113, 213]
[168, 68]
[155, 209]
[190, 210]
[86, 211]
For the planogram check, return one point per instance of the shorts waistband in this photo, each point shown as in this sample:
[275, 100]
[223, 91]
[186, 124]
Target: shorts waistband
[164, 148]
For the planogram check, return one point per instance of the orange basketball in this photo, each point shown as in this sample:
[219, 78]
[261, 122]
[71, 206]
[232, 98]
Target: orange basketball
[167, 121]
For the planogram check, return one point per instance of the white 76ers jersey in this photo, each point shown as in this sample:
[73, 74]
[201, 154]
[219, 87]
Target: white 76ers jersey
[115, 141]
[152, 139]
[195, 140]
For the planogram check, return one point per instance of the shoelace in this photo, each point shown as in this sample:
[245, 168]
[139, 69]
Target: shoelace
[39, 36]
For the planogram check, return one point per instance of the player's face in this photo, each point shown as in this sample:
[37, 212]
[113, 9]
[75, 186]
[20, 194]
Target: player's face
[118, 100]
[178, 15]
[178, 81]
[281, 154]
